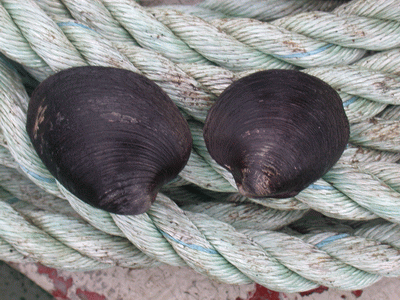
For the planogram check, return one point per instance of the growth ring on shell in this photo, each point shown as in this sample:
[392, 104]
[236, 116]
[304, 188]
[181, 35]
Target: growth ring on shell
[276, 131]
[110, 136]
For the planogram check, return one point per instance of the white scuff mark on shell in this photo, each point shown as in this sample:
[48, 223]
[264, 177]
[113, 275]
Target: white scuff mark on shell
[117, 117]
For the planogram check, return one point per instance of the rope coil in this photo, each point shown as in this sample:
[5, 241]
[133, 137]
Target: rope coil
[199, 220]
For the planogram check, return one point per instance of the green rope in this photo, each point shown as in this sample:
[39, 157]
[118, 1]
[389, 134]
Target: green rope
[194, 56]
[269, 9]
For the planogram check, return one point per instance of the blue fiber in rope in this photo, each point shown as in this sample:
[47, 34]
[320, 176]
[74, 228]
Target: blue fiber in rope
[331, 239]
[73, 24]
[350, 101]
[191, 246]
[304, 54]
[34, 175]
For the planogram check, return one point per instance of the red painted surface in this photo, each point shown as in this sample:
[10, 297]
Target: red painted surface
[61, 284]
[86, 295]
[357, 293]
[262, 293]
[318, 290]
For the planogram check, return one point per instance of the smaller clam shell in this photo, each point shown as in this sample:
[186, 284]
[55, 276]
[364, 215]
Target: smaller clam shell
[276, 131]
[110, 136]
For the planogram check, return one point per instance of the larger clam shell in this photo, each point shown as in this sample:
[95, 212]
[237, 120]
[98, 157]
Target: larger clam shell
[110, 136]
[277, 131]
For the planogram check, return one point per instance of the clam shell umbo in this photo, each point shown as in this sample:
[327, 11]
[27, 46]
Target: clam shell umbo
[110, 136]
[276, 131]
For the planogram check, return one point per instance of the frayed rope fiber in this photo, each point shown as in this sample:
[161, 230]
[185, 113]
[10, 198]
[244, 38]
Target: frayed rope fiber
[343, 231]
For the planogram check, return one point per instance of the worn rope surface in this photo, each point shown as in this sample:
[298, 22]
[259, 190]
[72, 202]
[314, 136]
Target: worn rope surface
[194, 53]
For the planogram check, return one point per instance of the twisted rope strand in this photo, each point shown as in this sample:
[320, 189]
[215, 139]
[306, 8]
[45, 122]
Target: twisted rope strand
[12, 121]
[356, 154]
[82, 237]
[183, 241]
[251, 216]
[386, 10]
[332, 272]
[348, 31]
[288, 46]
[43, 35]
[149, 33]
[369, 256]
[11, 38]
[95, 15]
[377, 134]
[6, 159]
[194, 10]
[215, 45]
[10, 254]
[356, 243]
[238, 249]
[190, 244]
[267, 10]
[23, 189]
[96, 50]
[332, 202]
[97, 218]
[35, 243]
[385, 61]
[212, 180]
[358, 81]
[53, 8]
[369, 190]
[279, 204]
[381, 231]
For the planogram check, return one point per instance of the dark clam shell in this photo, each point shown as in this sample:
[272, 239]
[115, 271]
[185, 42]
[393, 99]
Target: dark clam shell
[110, 136]
[277, 131]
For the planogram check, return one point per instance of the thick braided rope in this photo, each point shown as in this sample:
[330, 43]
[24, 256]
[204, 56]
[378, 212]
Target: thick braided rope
[170, 235]
[189, 245]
